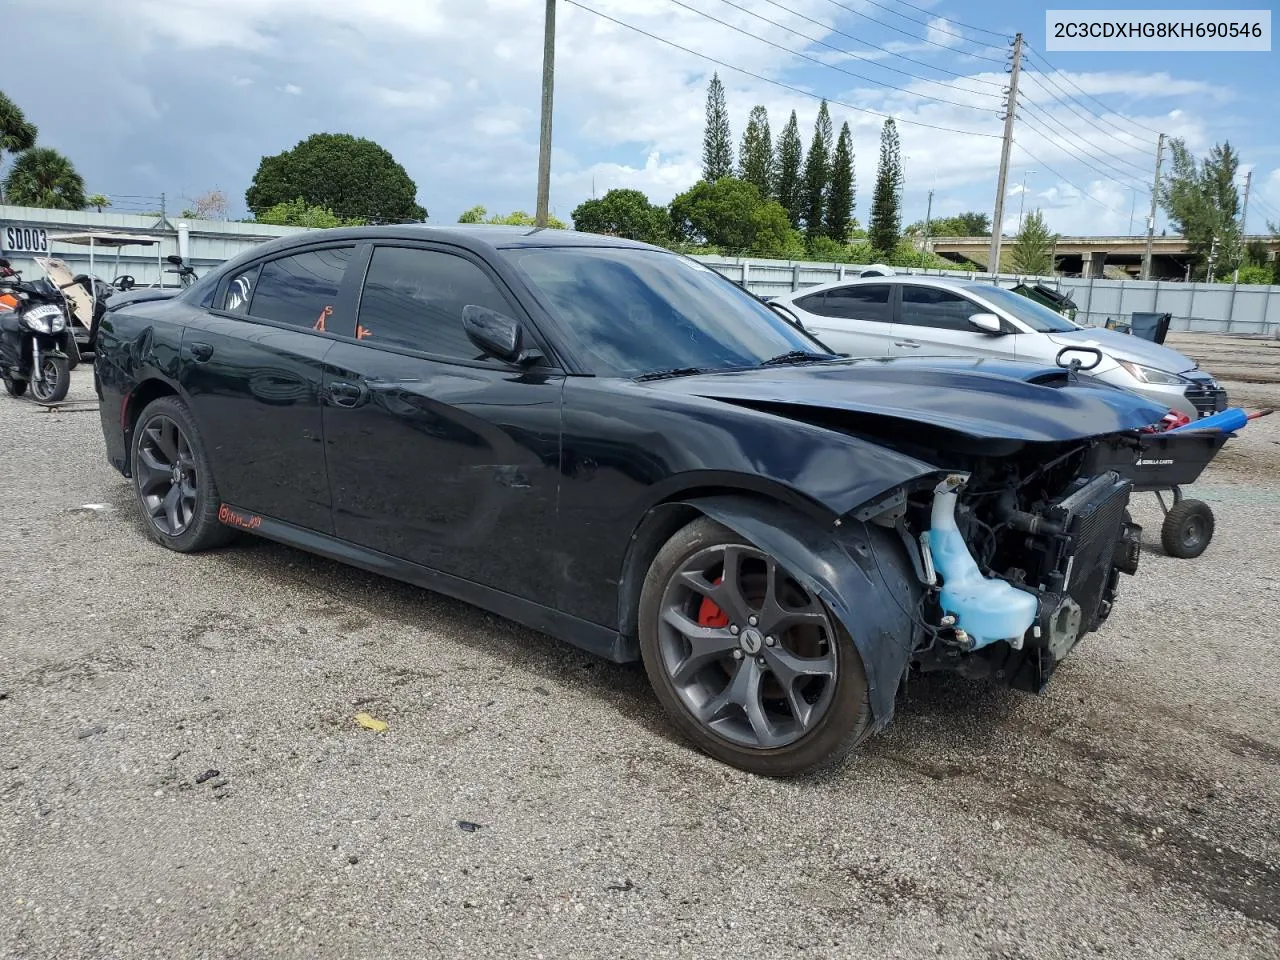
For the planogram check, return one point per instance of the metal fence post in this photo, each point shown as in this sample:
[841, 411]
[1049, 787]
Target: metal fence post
[1231, 304]
[1088, 308]
[1191, 307]
[840, 272]
[795, 277]
[746, 275]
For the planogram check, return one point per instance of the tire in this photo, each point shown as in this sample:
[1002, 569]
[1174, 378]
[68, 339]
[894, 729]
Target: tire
[711, 700]
[1187, 529]
[15, 388]
[166, 436]
[55, 371]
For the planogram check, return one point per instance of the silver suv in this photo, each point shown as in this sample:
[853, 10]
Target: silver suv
[898, 316]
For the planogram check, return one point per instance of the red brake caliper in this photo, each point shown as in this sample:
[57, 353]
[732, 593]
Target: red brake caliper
[710, 615]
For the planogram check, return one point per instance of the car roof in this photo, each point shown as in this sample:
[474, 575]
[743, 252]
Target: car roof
[954, 283]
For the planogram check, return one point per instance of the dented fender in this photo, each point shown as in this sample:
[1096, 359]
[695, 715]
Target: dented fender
[859, 570]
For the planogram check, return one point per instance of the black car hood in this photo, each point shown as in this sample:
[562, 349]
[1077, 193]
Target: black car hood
[995, 399]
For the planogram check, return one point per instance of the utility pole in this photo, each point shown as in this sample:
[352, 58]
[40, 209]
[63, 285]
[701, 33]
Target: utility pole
[1010, 108]
[1151, 220]
[544, 142]
[1022, 198]
[1244, 216]
[928, 213]
[1213, 255]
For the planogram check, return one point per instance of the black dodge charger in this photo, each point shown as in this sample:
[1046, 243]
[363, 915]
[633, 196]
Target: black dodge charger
[612, 444]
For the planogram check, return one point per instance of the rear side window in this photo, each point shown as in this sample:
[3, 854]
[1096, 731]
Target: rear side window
[414, 298]
[855, 302]
[301, 290]
[934, 307]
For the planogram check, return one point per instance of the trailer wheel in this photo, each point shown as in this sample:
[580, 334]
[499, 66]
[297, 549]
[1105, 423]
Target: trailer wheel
[1187, 529]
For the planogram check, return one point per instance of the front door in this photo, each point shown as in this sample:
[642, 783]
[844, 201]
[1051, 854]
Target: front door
[253, 369]
[934, 322]
[438, 455]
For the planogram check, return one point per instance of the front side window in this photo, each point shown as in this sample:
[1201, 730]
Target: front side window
[625, 312]
[414, 298]
[937, 308]
[1035, 315]
[301, 290]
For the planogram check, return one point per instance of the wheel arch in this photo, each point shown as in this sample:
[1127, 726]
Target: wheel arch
[860, 571]
[147, 390]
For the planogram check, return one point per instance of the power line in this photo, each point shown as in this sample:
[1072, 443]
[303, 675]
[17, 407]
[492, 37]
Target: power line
[1130, 146]
[1083, 192]
[778, 83]
[1121, 135]
[1065, 132]
[935, 43]
[1046, 65]
[929, 24]
[830, 66]
[967, 26]
[872, 46]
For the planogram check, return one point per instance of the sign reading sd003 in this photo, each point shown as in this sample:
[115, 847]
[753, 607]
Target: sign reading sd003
[19, 239]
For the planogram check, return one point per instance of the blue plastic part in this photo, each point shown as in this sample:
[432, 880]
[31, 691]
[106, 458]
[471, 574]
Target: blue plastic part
[987, 610]
[1228, 421]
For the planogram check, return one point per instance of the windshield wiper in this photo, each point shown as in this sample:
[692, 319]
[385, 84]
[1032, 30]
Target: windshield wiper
[798, 356]
[673, 372]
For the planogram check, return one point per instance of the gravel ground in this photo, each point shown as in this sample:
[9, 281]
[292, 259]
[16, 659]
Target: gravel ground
[181, 774]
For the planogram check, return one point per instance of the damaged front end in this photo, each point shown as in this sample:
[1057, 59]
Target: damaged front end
[1016, 568]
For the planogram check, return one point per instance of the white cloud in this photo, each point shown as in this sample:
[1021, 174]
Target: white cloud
[291, 88]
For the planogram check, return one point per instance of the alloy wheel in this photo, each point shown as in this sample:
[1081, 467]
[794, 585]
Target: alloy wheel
[750, 652]
[50, 380]
[167, 478]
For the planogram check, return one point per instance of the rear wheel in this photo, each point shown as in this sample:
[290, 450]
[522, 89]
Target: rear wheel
[750, 665]
[172, 479]
[1187, 529]
[54, 382]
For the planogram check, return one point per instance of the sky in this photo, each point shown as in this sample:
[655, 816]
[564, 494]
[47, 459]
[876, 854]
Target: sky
[185, 96]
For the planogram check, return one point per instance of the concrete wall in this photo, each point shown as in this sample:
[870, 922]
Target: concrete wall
[210, 241]
[1202, 307]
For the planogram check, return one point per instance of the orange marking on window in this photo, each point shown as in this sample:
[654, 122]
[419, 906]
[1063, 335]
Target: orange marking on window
[362, 332]
[324, 315]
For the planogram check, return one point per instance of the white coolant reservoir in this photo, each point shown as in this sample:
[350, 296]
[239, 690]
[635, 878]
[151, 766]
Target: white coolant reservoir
[987, 610]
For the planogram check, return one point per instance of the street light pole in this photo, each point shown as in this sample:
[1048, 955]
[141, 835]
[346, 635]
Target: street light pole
[544, 141]
[1022, 198]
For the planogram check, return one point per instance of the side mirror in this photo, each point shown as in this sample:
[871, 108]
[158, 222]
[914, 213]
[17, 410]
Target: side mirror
[174, 259]
[987, 323]
[496, 334]
[1078, 358]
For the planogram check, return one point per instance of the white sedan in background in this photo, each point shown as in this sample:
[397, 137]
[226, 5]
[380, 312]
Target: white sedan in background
[903, 315]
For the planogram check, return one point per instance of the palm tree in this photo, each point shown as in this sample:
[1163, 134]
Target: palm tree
[42, 177]
[97, 201]
[16, 132]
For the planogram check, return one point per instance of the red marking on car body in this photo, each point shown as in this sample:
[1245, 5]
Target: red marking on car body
[233, 518]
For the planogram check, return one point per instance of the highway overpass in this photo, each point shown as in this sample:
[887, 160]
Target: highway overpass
[1090, 256]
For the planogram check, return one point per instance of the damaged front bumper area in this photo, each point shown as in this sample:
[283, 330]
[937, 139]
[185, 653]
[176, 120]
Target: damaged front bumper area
[1045, 577]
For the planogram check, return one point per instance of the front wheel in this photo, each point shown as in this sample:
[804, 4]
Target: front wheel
[54, 382]
[1187, 529]
[749, 664]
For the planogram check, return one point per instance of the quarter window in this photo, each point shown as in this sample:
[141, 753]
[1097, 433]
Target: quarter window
[934, 307]
[414, 298]
[301, 290]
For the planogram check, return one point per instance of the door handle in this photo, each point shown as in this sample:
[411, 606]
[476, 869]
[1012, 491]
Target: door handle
[200, 352]
[344, 394]
[906, 343]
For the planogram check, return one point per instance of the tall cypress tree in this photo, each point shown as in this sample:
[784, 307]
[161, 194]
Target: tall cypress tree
[755, 159]
[788, 183]
[886, 207]
[840, 202]
[717, 142]
[817, 175]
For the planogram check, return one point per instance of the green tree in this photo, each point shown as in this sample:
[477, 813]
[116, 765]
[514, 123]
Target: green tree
[1201, 201]
[840, 201]
[97, 201]
[717, 141]
[817, 176]
[788, 187]
[298, 213]
[623, 213]
[17, 133]
[755, 159]
[885, 226]
[1033, 247]
[970, 224]
[42, 177]
[351, 176]
[516, 218]
[731, 215]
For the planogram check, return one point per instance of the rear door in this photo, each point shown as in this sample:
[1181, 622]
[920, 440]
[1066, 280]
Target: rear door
[934, 321]
[856, 319]
[252, 369]
[437, 454]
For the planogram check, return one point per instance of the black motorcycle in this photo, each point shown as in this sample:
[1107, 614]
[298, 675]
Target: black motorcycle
[36, 340]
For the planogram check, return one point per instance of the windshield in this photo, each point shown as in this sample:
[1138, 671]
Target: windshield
[1035, 315]
[628, 312]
